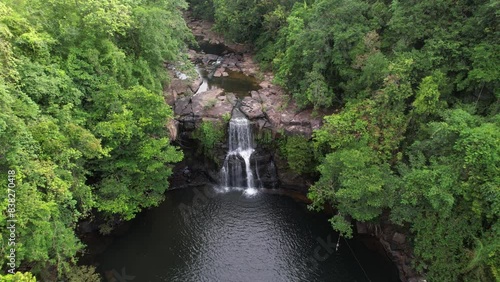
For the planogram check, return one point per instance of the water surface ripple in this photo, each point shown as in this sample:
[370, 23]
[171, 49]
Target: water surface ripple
[236, 238]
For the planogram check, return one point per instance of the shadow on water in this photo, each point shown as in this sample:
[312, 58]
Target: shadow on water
[236, 82]
[211, 48]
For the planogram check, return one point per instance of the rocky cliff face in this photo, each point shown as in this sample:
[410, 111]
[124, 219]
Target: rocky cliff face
[392, 241]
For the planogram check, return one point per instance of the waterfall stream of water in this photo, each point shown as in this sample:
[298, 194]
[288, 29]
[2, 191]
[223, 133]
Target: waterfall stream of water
[240, 152]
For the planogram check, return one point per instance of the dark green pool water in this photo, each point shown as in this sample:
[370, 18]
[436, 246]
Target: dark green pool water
[205, 235]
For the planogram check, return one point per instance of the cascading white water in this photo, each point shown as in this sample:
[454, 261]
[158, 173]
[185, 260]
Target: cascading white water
[204, 85]
[240, 148]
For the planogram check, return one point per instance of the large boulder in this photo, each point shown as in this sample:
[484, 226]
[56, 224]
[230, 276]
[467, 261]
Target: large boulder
[219, 72]
[251, 108]
[195, 85]
[213, 103]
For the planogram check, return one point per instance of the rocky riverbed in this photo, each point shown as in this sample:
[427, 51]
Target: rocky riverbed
[268, 106]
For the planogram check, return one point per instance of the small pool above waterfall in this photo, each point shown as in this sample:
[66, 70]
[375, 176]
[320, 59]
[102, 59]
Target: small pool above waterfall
[236, 82]
[207, 47]
[218, 67]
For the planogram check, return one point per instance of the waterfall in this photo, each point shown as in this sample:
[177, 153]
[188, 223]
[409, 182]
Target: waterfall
[240, 151]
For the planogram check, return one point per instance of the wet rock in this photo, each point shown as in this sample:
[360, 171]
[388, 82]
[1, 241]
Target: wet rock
[251, 108]
[218, 73]
[265, 169]
[298, 130]
[192, 172]
[181, 87]
[183, 107]
[361, 228]
[187, 123]
[196, 84]
[399, 238]
[287, 118]
[192, 55]
[265, 84]
[261, 124]
[211, 57]
[205, 100]
[256, 96]
[273, 116]
[170, 97]
[417, 279]
[209, 104]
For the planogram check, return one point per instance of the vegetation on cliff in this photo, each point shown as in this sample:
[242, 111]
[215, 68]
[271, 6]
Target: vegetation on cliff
[418, 134]
[82, 120]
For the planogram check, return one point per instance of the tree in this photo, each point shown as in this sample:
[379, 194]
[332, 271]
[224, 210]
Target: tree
[74, 93]
[133, 129]
[450, 188]
[18, 277]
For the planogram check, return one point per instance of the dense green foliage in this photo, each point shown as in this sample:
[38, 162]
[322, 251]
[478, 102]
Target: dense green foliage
[18, 277]
[299, 154]
[418, 134]
[209, 134]
[203, 9]
[82, 117]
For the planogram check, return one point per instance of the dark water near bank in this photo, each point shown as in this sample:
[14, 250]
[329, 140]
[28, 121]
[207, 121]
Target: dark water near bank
[233, 237]
[236, 83]
[210, 48]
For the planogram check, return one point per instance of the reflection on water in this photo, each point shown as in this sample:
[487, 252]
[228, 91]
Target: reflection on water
[210, 48]
[210, 235]
[236, 82]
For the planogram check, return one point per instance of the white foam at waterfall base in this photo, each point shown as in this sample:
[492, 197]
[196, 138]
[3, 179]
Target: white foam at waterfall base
[250, 192]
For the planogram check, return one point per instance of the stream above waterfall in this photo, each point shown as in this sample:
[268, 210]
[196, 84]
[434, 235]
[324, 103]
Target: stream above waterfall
[218, 69]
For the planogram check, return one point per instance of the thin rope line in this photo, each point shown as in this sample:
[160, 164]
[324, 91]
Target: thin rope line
[366, 275]
[338, 244]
